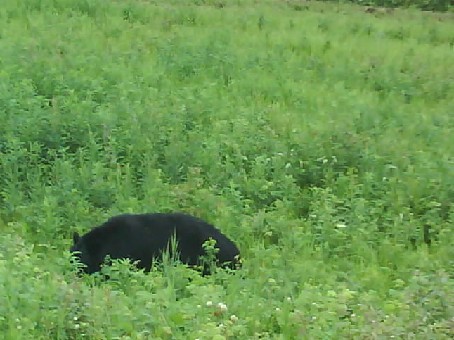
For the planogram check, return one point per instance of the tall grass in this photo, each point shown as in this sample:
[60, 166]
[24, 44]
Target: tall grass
[319, 139]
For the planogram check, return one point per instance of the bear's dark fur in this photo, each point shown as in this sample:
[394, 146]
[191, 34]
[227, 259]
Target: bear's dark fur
[142, 237]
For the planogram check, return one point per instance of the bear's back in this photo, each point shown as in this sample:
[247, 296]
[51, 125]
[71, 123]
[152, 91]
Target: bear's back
[191, 232]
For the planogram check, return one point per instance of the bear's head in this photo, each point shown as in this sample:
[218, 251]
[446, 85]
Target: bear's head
[82, 254]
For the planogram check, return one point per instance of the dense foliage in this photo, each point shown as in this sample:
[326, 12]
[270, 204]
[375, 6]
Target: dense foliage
[318, 137]
[426, 5]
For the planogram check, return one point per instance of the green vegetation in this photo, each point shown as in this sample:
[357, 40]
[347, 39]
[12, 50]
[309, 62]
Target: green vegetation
[319, 138]
[427, 5]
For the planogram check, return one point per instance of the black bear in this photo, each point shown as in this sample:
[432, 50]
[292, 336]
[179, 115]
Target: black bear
[143, 237]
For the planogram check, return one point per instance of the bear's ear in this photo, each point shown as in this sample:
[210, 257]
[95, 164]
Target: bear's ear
[76, 237]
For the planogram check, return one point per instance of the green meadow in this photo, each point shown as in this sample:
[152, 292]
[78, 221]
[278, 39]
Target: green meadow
[318, 136]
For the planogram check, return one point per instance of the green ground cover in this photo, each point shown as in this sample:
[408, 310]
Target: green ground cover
[318, 137]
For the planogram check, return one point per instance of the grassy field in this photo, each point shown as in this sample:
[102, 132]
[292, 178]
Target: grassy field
[319, 137]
